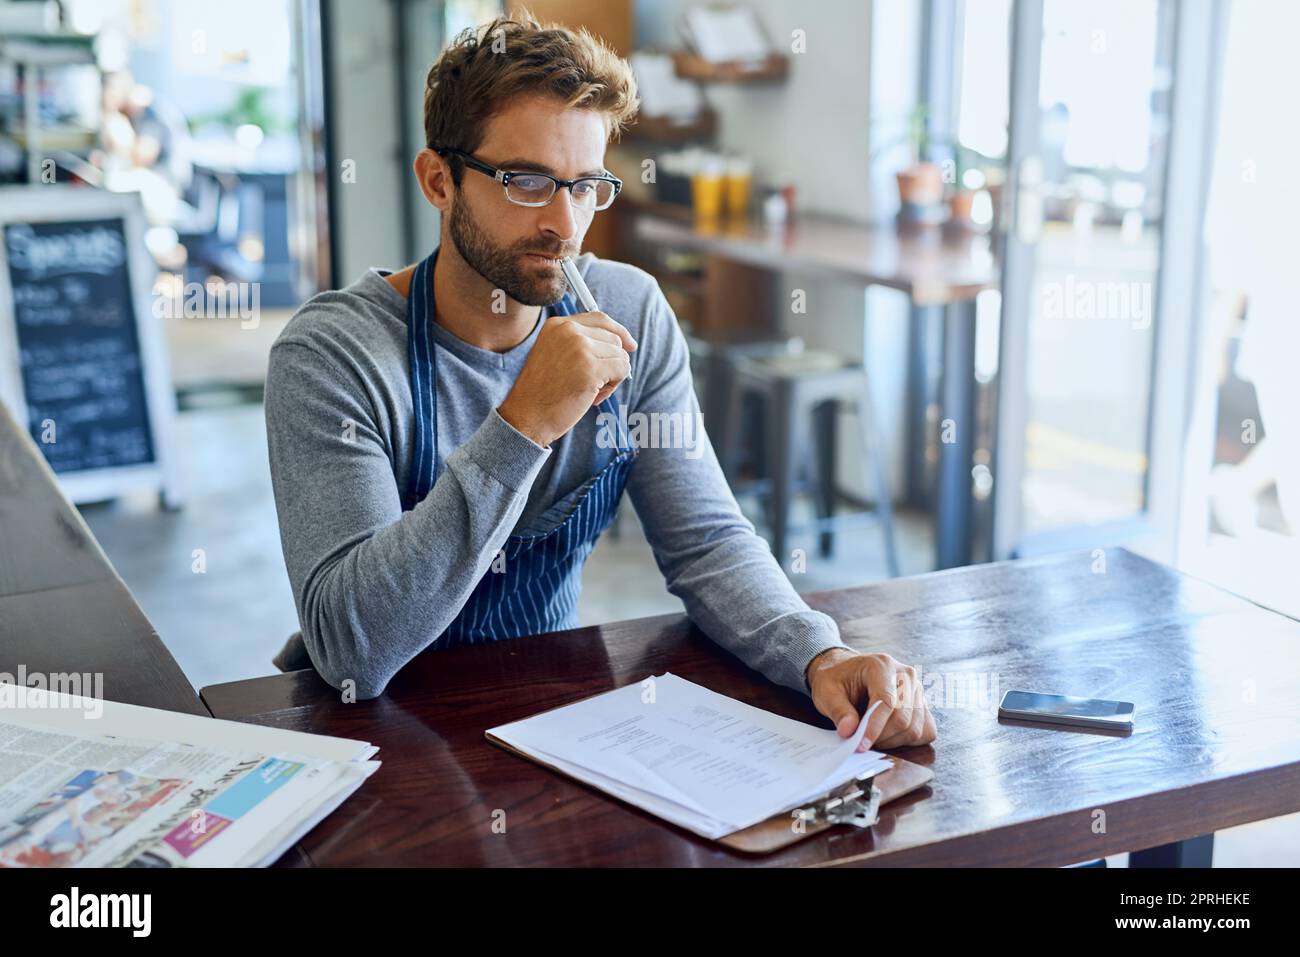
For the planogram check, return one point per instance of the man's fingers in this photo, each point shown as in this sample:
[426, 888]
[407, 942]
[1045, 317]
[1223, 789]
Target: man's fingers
[880, 687]
[605, 349]
[614, 369]
[894, 734]
[901, 733]
[878, 725]
[605, 392]
[598, 320]
[901, 720]
[915, 720]
[599, 334]
[919, 712]
[839, 708]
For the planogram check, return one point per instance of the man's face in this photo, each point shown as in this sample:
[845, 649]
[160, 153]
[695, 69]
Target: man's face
[496, 237]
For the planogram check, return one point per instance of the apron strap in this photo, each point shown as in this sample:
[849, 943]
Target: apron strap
[421, 354]
[565, 306]
[424, 393]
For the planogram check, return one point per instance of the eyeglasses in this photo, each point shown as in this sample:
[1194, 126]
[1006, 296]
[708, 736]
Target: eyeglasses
[525, 188]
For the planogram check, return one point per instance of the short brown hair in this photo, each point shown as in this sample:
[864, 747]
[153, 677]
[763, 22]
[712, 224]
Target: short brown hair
[483, 68]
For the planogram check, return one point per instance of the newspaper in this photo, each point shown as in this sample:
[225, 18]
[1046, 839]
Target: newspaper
[83, 798]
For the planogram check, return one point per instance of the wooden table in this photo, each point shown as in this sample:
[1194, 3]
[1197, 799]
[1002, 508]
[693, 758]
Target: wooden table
[1213, 677]
[941, 274]
[931, 267]
[63, 608]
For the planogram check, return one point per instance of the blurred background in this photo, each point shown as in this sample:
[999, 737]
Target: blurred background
[964, 280]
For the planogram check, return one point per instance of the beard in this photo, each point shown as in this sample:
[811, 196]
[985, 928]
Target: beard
[506, 269]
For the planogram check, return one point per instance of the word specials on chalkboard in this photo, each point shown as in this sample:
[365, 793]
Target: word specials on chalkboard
[78, 345]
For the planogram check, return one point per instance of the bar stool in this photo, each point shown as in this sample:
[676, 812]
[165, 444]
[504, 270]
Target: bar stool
[811, 386]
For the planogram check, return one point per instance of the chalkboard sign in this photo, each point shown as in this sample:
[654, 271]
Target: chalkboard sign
[87, 361]
[77, 343]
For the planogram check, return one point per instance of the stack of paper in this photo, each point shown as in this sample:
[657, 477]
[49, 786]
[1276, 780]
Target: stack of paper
[699, 759]
[662, 91]
[92, 783]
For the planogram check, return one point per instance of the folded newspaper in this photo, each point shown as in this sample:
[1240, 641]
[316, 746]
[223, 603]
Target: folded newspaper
[92, 783]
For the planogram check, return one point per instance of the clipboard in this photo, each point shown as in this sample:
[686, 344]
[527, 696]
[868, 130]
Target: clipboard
[855, 803]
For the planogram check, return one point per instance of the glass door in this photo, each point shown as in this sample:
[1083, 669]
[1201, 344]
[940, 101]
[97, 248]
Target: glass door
[1108, 166]
[1240, 524]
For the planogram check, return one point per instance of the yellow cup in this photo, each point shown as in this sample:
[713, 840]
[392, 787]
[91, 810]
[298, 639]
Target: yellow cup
[707, 193]
[737, 186]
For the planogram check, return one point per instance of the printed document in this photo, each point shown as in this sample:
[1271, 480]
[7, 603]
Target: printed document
[706, 762]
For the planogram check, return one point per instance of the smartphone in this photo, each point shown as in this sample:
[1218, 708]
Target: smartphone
[1063, 709]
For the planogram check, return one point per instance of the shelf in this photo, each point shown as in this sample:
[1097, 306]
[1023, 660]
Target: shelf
[686, 283]
[653, 207]
[690, 66]
[60, 137]
[48, 49]
[662, 129]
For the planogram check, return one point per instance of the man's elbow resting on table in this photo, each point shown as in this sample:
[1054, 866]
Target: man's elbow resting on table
[353, 683]
[342, 654]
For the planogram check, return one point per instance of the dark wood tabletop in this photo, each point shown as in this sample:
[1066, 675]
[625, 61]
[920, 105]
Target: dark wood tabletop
[63, 608]
[932, 267]
[1215, 744]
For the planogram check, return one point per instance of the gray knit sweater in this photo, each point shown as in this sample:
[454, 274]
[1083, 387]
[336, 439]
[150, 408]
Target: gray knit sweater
[374, 585]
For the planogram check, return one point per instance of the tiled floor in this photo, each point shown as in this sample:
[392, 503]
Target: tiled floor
[211, 577]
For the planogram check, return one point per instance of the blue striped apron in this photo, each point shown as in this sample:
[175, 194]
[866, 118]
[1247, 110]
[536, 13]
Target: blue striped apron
[532, 585]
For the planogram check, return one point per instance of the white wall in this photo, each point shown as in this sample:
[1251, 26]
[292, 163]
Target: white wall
[815, 124]
[861, 61]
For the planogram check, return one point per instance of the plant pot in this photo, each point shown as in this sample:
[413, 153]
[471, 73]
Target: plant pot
[920, 185]
[959, 206]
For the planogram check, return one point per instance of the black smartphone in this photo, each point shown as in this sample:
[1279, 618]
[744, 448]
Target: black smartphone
[1063, 709]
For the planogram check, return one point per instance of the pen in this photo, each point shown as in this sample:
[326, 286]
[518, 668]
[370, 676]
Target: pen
[577, 285]
[580, 289]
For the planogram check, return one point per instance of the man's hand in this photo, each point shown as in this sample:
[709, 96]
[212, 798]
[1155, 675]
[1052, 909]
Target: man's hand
[842, 680]
[576, 363]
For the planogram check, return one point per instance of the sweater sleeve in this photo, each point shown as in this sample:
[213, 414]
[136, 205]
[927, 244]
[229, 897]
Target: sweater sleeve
[374, 585]
[710, 557]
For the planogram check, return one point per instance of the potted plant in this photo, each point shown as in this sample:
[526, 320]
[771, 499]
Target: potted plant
[965, 187]
[920, 183]
[962, 196]
[936, 192]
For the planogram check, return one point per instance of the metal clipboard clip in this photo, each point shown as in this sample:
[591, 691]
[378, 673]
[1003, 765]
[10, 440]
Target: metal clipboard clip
[855, 802]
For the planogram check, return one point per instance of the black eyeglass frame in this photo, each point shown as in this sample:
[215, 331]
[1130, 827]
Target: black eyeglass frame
[504, 176]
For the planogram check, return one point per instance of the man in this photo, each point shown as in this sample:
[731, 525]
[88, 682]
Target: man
[447, 441]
